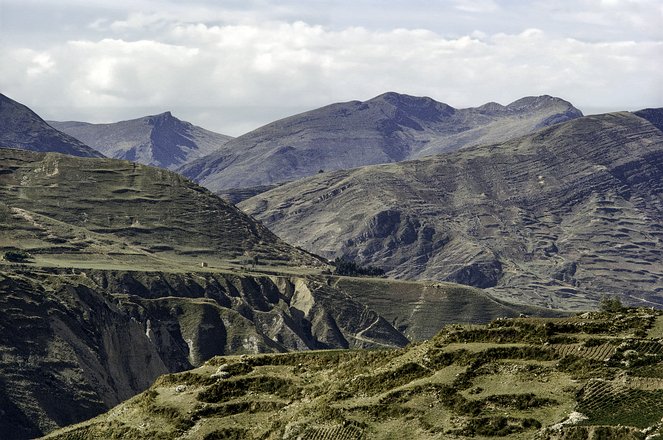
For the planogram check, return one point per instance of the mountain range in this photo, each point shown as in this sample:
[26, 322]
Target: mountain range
[160, 140]
[115, 273]
[556, 218]
[388, 128]
[129, 272]
[22, 128]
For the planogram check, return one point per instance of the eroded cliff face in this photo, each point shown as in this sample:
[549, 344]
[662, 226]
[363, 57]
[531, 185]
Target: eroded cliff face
[75, 343]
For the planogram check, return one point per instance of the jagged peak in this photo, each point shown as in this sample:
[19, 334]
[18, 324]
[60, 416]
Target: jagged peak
[164, 119]
[162, 116]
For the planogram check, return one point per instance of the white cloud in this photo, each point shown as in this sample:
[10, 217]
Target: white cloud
[232, 77]
[476, 6]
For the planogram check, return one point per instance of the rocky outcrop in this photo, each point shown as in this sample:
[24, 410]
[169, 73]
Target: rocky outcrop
[389, 128]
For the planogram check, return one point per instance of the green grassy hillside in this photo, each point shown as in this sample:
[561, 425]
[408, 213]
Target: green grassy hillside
[67, 211]
[594, 375]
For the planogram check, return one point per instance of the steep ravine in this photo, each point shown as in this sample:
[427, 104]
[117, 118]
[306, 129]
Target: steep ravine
[75, 343]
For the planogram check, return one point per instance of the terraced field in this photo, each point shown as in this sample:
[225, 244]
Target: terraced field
[523, 378]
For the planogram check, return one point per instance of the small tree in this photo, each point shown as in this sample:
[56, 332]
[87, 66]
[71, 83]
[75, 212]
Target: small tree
[611, 304]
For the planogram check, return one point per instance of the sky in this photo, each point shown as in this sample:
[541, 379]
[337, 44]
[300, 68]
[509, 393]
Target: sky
[232, 66]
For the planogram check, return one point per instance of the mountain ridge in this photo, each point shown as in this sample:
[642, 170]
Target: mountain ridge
[22, 128]
[389, 128]
[532, 219]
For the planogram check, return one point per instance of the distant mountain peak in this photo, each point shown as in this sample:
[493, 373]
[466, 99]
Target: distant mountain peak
[418, 107]
[402, 99]
[536, 102]
[165, 116]
[159, 140]
[491, 107]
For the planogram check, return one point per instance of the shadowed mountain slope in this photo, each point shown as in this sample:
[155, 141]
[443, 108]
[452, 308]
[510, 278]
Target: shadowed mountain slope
[388, 128]
[653, 115]
[22, 128]
[160, 140]
[556, 218]
[77, 342]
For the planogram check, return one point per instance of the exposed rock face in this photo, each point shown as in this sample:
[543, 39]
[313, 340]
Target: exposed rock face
[160, 140]
[557, 218]
[21, 128]
[389, 128]
[74, 345]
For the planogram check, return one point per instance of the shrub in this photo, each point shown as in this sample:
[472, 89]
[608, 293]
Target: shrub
[611, 304]
[227, 434]
[17, 256]
[345, 266]
[390, 379]
[226, 390]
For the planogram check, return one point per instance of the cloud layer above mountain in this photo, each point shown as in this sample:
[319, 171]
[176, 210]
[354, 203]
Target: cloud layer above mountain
[235, 67]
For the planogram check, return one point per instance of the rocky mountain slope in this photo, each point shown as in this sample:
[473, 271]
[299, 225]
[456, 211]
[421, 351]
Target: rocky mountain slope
[77, 342]
[128, 272]
[160, 140]
[592, 376]
[388, 128]
[21, 128]
[556, 218]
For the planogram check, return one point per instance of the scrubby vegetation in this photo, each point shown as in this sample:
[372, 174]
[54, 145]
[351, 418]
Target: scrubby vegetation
[514, 378]
[17, 256]
[346, 266]
[226, 390]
